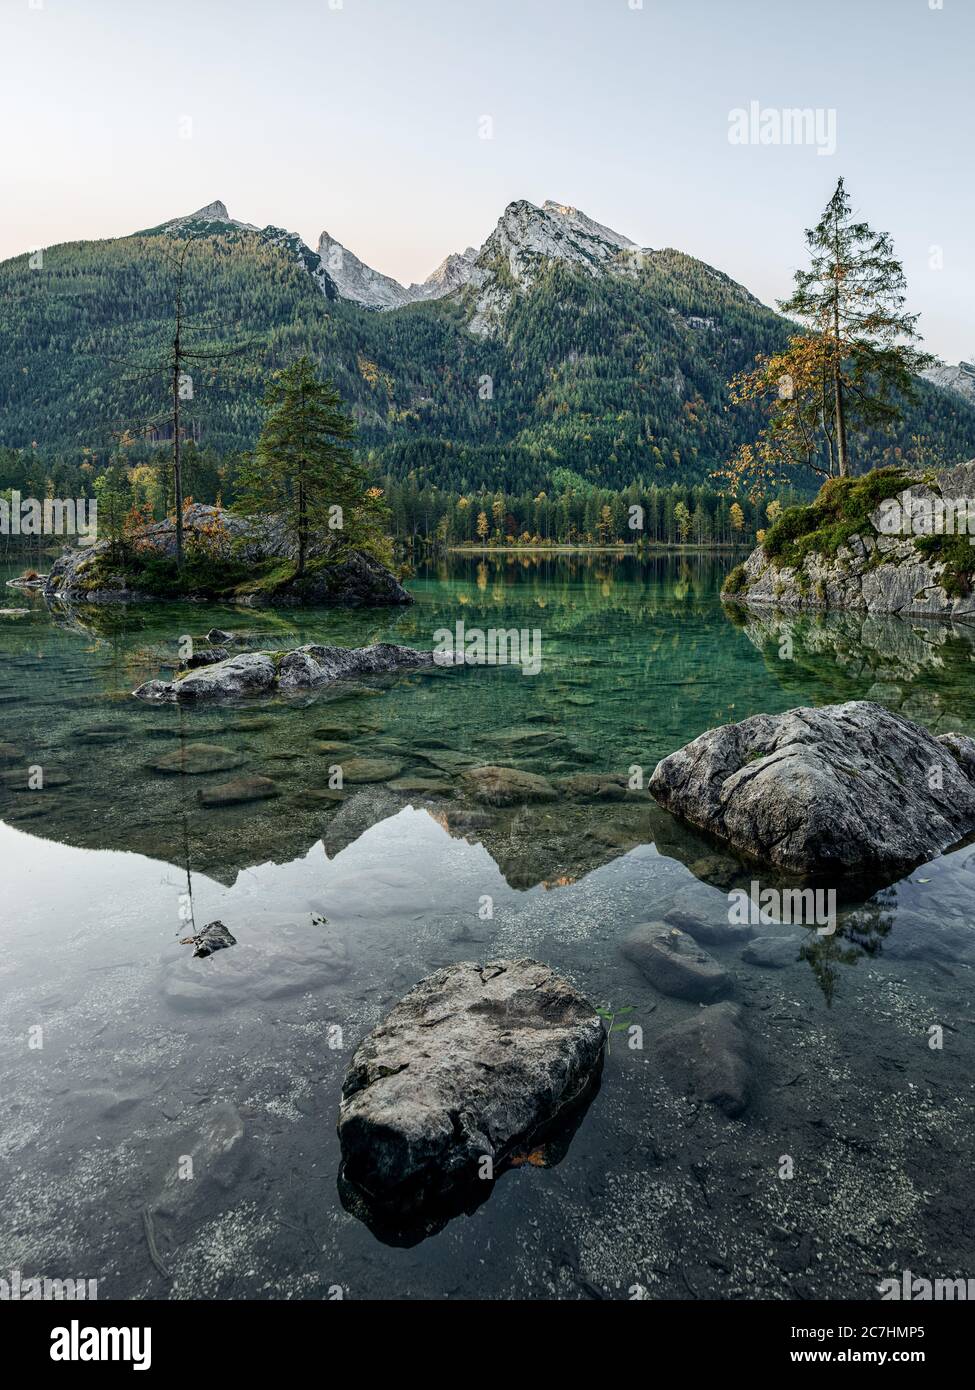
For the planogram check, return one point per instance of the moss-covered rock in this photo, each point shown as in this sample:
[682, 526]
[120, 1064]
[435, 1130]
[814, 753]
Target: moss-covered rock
[840, 551]
[226, 558]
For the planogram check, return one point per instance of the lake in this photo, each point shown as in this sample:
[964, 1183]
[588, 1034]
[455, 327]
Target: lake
[167, 1123]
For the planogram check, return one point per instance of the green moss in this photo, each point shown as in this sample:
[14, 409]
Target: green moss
[267, 578]
[841, 510]
[736, 582]
[150, 572]
[280, 574]
[958, 558]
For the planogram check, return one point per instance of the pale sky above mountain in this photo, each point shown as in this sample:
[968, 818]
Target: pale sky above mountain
[367, 118]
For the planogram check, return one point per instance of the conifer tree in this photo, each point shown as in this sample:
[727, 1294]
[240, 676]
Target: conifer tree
[852, 300]
[852, 366]
[303, 470]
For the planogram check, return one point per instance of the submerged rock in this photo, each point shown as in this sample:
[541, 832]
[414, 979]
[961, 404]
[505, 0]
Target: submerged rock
[594, 786]
[774, 952]
[304, 668]
[238, 790]
[216, 1145]
[709, 931]
[707, 1056]
[193, 759]
[674, 963]
[507, 786]
[364, 769]
[844, 790]
[421, 786]
[24, 780]
[470, 1065]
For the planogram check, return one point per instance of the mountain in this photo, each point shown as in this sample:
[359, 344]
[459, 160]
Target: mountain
[214, 213]
[559, 344]
[358, 282]
[960, 379]
[525, 239]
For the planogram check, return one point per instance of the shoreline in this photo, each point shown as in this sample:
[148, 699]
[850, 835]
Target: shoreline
[566, 549]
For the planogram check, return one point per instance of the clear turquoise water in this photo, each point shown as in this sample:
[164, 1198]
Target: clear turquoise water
[150, 1055]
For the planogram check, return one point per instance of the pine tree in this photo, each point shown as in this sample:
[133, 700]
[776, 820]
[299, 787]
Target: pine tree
[113, 493]
[852, 299]
[302, 470]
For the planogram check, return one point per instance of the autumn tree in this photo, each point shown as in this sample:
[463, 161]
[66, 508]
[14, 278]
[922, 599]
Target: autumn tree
[853, 365]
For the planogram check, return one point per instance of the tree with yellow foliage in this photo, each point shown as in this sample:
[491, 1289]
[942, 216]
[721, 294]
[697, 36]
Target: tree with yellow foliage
[852, 365]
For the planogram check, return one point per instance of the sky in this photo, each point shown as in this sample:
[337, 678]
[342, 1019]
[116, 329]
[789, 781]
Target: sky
[404, 127]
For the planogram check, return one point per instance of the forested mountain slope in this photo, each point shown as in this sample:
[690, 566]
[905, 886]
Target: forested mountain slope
[558, 350]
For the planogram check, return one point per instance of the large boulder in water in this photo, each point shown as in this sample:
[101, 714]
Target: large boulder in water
[474, 1063]
[844, 791]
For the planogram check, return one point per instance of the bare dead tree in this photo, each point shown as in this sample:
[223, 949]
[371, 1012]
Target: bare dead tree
[173, 365]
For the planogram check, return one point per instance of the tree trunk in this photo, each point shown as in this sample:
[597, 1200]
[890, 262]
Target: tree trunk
[840, 412]
[302, 529]
[177, 369]
[838, 358]
[177, 461]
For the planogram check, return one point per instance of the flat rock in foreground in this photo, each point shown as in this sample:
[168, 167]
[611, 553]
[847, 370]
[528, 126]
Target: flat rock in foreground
[844, 791]
[304, 668]
[471, 1064]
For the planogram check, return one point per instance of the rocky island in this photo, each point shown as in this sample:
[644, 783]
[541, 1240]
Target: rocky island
[887, 542]
[230, 558]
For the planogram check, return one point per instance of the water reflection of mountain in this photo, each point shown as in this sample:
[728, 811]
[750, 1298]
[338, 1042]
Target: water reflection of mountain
[550, 844]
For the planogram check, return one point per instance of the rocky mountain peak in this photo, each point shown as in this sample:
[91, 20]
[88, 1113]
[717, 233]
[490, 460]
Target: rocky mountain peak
[355, 280]
[213, 212]
[960, 379]
[527, 236]
[585, 226]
